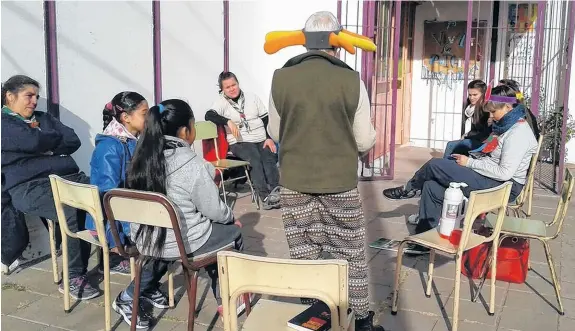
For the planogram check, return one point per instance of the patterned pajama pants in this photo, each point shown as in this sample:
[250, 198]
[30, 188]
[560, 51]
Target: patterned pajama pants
[330, 224]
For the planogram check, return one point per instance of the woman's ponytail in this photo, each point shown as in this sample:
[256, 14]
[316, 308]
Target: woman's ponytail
[148, 173]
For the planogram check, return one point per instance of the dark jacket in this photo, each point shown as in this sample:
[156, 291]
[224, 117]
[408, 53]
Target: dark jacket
[31, 153]
[108, 168]
[480, 130]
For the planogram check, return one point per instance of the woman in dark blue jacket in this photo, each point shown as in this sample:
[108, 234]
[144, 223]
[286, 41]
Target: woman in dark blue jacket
[34, 146]
[124, 119]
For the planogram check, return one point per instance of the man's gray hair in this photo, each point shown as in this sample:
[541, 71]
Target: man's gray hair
[322, 21]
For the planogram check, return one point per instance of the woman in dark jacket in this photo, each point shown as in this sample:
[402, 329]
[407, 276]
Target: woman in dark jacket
[34, 146]
[474, 127]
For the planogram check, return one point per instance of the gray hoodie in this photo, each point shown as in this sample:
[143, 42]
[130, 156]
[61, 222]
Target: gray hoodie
[190, 186]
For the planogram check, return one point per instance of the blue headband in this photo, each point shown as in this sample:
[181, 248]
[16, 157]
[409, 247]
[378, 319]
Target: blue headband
[161, 107]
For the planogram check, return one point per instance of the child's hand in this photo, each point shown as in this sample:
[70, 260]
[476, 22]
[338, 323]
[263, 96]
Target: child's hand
[237, 222]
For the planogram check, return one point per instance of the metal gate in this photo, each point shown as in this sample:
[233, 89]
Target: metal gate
[376, 19]
[528, 42]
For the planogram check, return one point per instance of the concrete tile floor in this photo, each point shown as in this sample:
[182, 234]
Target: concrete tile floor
[31, 302]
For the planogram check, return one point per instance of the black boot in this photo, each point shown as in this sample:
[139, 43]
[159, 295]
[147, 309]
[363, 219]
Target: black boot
[366, 324]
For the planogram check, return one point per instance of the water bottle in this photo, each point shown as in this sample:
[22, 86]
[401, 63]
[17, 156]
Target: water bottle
[452, 209]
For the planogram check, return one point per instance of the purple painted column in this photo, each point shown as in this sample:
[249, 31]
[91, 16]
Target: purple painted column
[53, 88]
[157, 35]
[364, 29]
[396, 36]
[538, 57]
[226, 35]
[339, 11]
[369, 56]
[571, 35]
[467, 49]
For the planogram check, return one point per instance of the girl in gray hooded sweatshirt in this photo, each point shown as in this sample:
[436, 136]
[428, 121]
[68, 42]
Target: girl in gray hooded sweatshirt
[164, 163]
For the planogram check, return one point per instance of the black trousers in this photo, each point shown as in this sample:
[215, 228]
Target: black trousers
[155, 269]
[35, 198]
[263, 161]
[433, 179]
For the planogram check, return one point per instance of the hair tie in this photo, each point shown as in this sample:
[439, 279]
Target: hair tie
[109, 106]
[519, 96]
[161, 107]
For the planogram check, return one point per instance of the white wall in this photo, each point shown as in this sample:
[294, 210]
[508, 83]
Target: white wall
[436, 108]
[192, 52]
[249, 23]
[22, 24]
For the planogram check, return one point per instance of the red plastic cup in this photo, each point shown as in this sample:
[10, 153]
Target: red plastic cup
[455, 237]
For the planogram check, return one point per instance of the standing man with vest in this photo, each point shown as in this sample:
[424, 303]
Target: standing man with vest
[319, 111]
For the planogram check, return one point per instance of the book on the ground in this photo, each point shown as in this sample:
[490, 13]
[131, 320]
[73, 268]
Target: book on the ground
[316, 318]
[386, 244]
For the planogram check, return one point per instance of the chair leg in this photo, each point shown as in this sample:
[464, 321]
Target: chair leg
[254, 196]
[132, 268]
[53, 253]
[107, 308]
[397, 277]
[248, 303]
[65, 271]
[529, 202]
[136, 297]
[455, 321]
[192, 284]
[495, 248]
[430, 273]
[171, 288]
[553, 276]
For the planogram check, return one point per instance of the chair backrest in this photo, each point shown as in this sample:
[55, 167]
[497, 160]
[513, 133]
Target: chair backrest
[528, 188]
[325, 280]
[564, 200]
[80, 196]
[209, 133]
[483, 201]
[144, 208]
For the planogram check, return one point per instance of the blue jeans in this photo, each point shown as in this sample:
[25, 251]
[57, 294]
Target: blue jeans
[460, 146]
[434, 177]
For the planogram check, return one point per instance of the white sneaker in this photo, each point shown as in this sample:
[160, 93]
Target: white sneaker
[413, 219]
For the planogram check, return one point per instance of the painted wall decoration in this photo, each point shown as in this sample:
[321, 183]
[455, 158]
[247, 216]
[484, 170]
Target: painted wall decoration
[520, 48]
[444, 51]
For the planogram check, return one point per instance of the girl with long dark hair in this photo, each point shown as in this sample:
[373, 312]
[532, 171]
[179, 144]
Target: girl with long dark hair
[165, 163]
[474, 127]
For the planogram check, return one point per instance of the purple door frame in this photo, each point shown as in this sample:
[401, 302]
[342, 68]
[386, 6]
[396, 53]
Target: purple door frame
[226, 35]
[571, 36]
[157, 36]
[52, 77]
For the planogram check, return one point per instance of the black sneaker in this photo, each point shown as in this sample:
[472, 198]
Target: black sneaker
[118, 265]
[80, 289]
[124, 308]
[414, 250]
[399, 193]
[156, 299]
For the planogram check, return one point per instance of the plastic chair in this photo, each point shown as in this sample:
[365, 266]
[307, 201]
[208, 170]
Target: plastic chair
[540, 230]
[325, 280]
[154, 209]
[208, 130]
[526, 195]
[479, 202]
[84, 197]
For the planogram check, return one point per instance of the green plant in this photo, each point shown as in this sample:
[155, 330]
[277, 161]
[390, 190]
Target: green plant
[551, 126]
